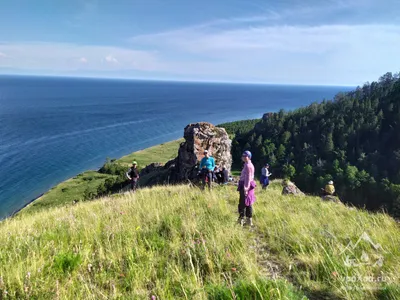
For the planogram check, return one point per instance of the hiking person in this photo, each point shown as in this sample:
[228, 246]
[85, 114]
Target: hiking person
[328, 193]
[225, 175]
[246, 190]
[329, 189]
[207, 165]
[264, 180]
[133, 175]
[217, 175]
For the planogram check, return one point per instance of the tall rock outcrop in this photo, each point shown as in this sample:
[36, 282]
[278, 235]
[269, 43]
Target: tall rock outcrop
[198, 137]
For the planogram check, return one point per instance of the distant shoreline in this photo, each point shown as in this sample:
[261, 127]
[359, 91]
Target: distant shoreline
[40, 196]
[14, 213]
[26, 204]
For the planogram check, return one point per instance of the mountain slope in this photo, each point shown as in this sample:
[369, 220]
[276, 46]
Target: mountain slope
[353, 140]
[93, 184]
[180, 243]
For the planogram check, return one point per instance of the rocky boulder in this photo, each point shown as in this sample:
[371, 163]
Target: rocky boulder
[289, 188]
[151, 168]
[331, 198]
[198, 137]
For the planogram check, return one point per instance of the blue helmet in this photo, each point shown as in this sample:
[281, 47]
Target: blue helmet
[247, 153]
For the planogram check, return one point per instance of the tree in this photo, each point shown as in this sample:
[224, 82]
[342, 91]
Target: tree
[281, 152]
[288, 171]
[101, 189]
[351, 177]
[272, 160]
[329, 146]
[110, 184]
[286, 137]
[90, 193]
[355, 140]
[308, 171]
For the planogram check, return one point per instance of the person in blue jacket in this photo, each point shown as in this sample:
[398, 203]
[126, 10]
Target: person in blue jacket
[207, 165]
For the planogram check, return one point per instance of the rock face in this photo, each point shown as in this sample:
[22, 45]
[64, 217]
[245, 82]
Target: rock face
[331, 198]
[198, 137]
[290, 188]
[150, 168]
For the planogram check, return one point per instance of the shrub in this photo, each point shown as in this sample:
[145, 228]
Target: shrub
[113, 168]
[88, 178]
[90, 193]
[66, 262]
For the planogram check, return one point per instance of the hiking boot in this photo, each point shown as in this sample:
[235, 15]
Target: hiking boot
[241, 221]
[249, 222]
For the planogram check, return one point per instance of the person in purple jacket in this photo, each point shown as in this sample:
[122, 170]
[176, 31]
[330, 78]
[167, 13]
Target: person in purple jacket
[246, 189]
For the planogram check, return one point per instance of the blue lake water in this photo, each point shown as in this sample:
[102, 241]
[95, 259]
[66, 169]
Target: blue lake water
[54, 128]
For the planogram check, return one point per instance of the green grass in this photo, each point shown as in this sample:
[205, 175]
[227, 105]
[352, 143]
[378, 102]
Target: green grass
[67, 192]
[73, 189]
[180, 243]
[161, 153]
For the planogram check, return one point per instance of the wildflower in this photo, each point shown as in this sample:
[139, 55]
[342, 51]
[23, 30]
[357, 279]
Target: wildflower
[233, 269]
[28, 275]
[153, 297]
[121, 213]
[335, 274]
[138, 228]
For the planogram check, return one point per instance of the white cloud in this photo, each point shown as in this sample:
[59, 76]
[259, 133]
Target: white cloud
[59, 57]
[111, 59]
[260, 48]
[335, 54]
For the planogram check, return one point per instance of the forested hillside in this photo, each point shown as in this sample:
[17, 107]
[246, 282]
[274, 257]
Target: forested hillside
[239, 127]
[353, 140]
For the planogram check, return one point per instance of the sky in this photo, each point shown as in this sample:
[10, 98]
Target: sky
[324, 42]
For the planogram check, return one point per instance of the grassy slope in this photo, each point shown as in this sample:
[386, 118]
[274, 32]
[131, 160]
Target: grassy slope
[73, 189]
[179, 243]
[160, 153]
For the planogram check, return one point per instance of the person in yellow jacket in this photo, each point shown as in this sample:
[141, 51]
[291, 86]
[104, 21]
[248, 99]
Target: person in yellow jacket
[329, 188]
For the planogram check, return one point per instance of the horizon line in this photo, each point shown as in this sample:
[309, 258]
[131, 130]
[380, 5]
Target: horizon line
[177, 80]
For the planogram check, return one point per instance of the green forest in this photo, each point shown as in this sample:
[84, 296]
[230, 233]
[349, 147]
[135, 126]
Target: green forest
[353, 140]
